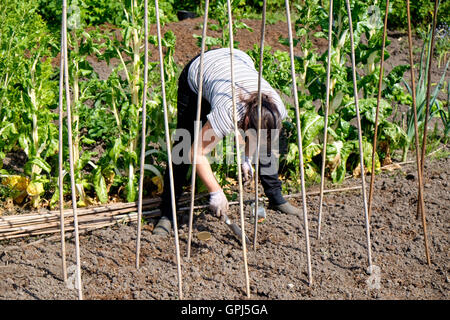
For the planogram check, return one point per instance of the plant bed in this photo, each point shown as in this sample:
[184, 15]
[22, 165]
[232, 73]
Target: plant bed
[277, 269]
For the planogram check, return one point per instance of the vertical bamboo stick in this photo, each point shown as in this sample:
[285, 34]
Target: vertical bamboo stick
[238, 158]
[327, 107]
[143, 135]
[427, 112]
[299, 138]
[169, 155]
[361, 151]
[60, 157]
[258, 139]
[72, 175]
[375, 137]
[197, 128]
[416, 136]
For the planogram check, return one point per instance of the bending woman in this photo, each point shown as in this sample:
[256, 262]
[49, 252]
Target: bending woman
[217, 123]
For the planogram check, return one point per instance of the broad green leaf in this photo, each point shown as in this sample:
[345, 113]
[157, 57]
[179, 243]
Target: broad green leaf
[40, 163]
[311, 123]
[100, 186]
[311, 151]
[394, 134]
[54, 201]
[337, 155]
[292, 155]
[370, 107]
[86, 140]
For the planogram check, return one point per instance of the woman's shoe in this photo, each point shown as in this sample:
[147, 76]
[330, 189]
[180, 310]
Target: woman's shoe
[162, 227]
[286, 208]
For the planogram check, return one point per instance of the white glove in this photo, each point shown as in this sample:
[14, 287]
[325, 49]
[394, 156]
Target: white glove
[218, 203]
[247, 169]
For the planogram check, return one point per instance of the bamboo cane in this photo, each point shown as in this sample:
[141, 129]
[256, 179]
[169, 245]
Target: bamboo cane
[427, 112]
[6, 221]
[169, 154]
[361, 154]
[258, 139]
[197, 127]
[60, 158]
[238, 158]
[106, 220]
[70, 143]
[375, 137]
[299, 139]
[143, 135]
[327, 106]
[416, 136]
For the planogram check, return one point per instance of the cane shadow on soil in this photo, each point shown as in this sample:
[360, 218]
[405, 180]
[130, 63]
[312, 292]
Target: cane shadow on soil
[339, 264]
[31, 294]
[46, 271]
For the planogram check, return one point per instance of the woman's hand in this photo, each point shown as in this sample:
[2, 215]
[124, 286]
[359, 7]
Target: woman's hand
[218, 203]
[247, 170]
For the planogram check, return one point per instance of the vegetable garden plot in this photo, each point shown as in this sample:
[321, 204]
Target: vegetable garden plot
[101, 173]
[215, 267]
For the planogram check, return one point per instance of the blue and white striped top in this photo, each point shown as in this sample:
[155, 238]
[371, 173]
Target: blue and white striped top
[217, 86]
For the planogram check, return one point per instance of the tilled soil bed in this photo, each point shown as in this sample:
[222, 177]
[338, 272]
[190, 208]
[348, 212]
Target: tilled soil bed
[277, 269]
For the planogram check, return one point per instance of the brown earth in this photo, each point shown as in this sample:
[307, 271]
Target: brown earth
[277, 269]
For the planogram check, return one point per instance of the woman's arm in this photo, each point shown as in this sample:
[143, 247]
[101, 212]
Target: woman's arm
[208, 141]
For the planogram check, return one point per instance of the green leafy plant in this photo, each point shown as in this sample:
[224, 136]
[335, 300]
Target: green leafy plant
[421, 14]
[311, 73]
[98, 12]
[219, 12]
[445, 115]
[277, 67]
[28, 95]
[442, 45]
[83, 80]
[421, 92]
[121, 98]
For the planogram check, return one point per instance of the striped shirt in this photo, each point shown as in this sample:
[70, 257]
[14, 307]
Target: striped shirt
[217, 87]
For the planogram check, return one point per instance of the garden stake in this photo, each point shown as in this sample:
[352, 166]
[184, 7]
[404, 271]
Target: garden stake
[325, 128]
[299, 138]
[69, 132]
[197, 129]
[258, 139]
[427, 112]
[143, 135]
[60, 157]
[380, 83]
[416, 136]
[169, 154]
[238, 158]
[361, 150]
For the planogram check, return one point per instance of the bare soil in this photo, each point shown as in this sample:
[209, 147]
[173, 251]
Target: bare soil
[277, 269]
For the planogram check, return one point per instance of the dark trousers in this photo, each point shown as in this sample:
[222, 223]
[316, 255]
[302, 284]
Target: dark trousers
[186, 116]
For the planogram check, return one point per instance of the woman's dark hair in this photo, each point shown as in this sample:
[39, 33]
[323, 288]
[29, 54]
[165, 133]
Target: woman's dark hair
[270, 116]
